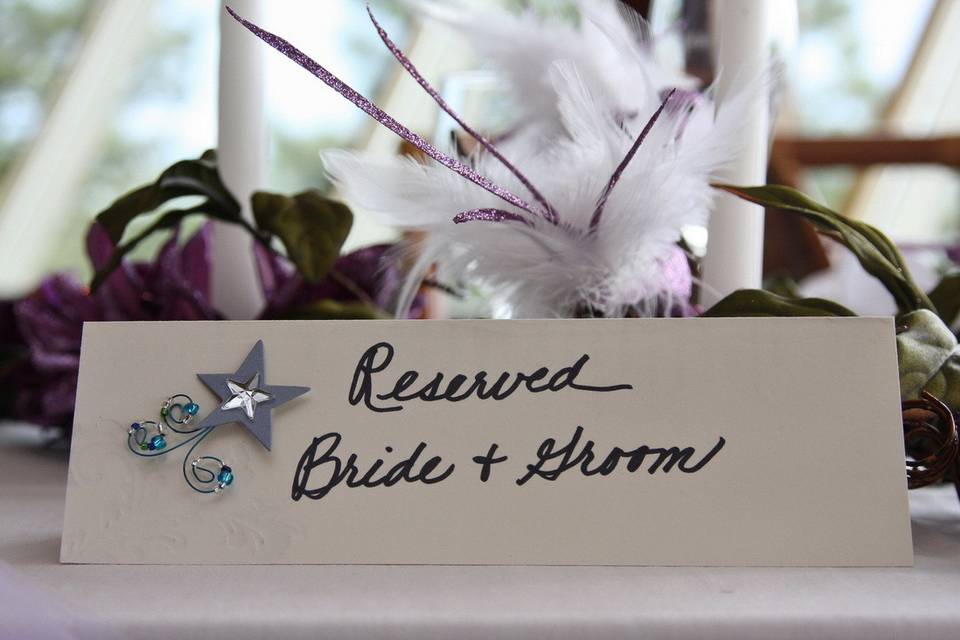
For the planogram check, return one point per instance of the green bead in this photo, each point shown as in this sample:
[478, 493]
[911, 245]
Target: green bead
[144, 446]
[163, 411]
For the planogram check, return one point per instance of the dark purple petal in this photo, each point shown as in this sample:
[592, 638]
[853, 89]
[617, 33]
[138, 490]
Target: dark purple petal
[54, 314]
[54, 361]
[365, 266]
[175, 295]
[100, 247]
[195, 262]
[272, 269]
[378, 272]
[57, 401]
[120, 295]
[371, 275]
[168, 258]
[283, 286]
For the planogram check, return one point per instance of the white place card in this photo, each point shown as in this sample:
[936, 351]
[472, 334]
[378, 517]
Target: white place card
[754, 441]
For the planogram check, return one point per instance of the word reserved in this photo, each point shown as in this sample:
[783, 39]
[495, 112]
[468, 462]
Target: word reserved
[322, 467]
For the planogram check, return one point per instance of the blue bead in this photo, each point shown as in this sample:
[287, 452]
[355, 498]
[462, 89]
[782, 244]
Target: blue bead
[225, 477]
[192, 408]
[157, 443]
[135, 426]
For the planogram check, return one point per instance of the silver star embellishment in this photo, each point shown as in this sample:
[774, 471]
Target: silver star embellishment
[246, 396]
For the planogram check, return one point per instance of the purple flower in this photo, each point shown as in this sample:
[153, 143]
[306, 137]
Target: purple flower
[41, 333]
[48, 323]
[175, 286]
[370, 275]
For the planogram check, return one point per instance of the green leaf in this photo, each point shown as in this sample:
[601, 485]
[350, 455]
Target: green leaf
[756, 302]
[185, 178]
[946, 297]
[782, 285]
[945, 384]
[876, 253]
[311, 227]
[926, 354]
[333, 310]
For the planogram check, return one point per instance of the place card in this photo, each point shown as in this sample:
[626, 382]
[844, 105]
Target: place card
[750, 441]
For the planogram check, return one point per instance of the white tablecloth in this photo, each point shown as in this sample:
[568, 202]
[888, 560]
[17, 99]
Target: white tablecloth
[235, 603]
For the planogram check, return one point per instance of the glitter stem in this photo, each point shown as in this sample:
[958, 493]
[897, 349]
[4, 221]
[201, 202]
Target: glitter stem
[602, 200]
[549, 213]
[332, 81]
[489, 215]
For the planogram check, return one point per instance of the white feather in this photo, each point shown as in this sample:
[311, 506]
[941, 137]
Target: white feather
[590, 92]
[608, 45]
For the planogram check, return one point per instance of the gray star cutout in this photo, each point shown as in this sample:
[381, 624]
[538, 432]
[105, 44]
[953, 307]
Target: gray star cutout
[246, 398]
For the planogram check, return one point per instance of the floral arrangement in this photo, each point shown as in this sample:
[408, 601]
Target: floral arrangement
[40, 348]
[575, 211]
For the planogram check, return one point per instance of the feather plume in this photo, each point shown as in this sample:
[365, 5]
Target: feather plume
[538, 269]
[613, 170]
[587, 93]
[609, 45]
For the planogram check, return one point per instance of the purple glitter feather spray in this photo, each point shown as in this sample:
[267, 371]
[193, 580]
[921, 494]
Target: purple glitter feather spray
[483, 214]
[406, 63]
[332, 81]
[573, 249]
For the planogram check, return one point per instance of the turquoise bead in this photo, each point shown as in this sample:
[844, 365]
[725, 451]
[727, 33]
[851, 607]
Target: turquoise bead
[157, 443]
[225, 477]
[192, 408]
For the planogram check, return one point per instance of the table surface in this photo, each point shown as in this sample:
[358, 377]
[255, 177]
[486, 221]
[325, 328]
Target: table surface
[236, 602]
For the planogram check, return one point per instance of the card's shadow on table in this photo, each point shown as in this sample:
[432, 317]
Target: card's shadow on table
[935, 538]
[36, 476]
[45, 550]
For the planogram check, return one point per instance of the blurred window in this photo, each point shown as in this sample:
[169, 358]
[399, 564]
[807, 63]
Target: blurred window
[36, 43]
[853, 69]
[857, 71]
[849, 61]
[168, 104]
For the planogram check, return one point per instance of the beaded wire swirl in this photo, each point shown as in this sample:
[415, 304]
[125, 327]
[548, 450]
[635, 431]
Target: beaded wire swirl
[177, 414]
